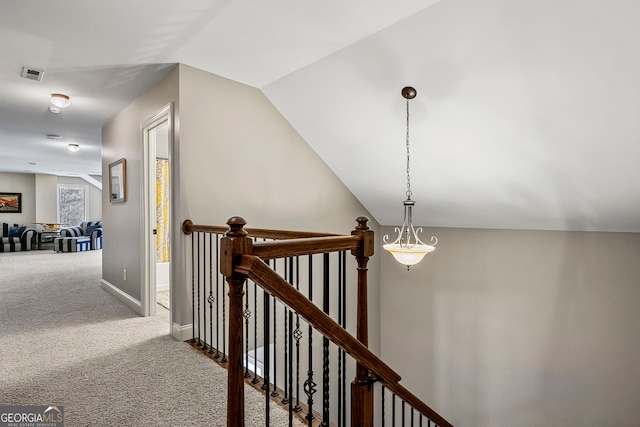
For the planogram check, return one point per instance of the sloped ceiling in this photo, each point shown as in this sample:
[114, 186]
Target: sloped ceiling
[526, 114]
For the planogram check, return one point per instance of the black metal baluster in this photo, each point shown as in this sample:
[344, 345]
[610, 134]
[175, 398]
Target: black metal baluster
[420, 420]
[224, 322]
[217, 355]
[290, 384]
[275, 393]
[382, 404]
[198, 306]
[297, 334]
[344, 325]
[341, 396]
[247, 315]
[204, 290]
[393, 410]
[214, 258]
[267, 357]
[325, 346]
[255, 379]
[412, 411]
[285, 399]
[403, 413]
[309, 384]
[193, 289]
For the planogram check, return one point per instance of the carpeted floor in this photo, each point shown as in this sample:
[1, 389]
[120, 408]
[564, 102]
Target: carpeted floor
[163, 299]
[65, 341]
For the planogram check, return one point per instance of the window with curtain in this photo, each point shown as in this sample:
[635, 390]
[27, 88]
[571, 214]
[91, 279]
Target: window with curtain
[72, 204]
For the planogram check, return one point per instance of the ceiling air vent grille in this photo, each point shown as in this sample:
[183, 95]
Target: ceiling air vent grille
[32, 74]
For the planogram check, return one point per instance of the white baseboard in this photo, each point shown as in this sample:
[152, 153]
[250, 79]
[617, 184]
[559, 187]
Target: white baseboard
[182, 332]
[127, 299]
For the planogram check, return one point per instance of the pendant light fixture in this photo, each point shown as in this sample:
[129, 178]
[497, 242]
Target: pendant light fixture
[408, 249]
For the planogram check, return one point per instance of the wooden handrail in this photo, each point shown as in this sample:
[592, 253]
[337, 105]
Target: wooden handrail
[189, 227]
[305, 246]
[253, 267]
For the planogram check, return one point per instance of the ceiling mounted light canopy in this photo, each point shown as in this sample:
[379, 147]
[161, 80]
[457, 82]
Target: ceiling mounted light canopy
[60, 100]
[408, 249]
[73, 147]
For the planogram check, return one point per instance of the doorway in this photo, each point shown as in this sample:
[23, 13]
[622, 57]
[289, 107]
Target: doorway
[158, 146]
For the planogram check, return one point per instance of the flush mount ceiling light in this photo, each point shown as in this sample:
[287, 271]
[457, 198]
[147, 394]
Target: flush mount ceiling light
[53, 136]
[60, 100]
[73, 147]
[54, 110]
[408, 249]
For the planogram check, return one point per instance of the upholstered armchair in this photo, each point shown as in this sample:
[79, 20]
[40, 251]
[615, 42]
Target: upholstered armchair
[84, 237]
[16, 238]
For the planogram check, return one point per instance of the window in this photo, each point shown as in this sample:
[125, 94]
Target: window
[72, 204]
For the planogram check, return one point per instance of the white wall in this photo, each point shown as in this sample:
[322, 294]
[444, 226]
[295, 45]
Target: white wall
[518, 328]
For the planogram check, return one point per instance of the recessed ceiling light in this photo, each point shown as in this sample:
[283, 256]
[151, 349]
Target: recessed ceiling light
[73, 147]
[53, 136]
[54, 110]
[60, 100]
[32, 163]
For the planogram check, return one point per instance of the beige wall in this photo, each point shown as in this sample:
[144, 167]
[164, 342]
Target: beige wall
[234, 154]
[122, 222]
[519, 328]
[19, 183]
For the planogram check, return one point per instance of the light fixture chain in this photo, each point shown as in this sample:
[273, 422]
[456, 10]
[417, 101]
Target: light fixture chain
[409, 193]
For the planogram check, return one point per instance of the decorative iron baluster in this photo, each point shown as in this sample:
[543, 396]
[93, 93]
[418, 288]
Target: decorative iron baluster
[267, 357]
[275, 393]
[193, 289]
[255, 379]
[309, 384]
[217, 355]
[247, 315]
[204, 290]
[297, 334]
[341, 397]
[285, 398]
[325, 345]
[403, 410]
[224, 323]
[382, 405]
[211, 299]
[393, 410]
[290, 383]
[198, 306]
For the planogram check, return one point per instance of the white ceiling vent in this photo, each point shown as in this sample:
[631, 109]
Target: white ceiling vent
[32, 73]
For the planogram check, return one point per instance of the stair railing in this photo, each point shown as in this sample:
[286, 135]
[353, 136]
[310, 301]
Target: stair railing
[242, 257]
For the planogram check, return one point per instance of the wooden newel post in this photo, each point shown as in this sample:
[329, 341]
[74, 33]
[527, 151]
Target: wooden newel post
[235, 243]
[361, 388]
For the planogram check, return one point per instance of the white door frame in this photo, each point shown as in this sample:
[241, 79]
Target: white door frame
[148, 267]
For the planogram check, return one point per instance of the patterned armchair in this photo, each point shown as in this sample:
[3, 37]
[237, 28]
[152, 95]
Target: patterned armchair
[86, 236]
[16, 238]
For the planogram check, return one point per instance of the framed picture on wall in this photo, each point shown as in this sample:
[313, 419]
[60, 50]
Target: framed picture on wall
[118, 181]
[10, 202]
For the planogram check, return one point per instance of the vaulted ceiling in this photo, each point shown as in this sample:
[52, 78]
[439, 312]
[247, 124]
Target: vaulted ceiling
[526, 115]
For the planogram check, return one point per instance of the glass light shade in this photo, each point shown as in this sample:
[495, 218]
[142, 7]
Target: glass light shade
[60, 100]
[73, 147]
[409, 256]
[408, 249]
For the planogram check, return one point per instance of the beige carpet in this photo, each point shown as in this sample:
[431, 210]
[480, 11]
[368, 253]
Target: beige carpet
[65, 341]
